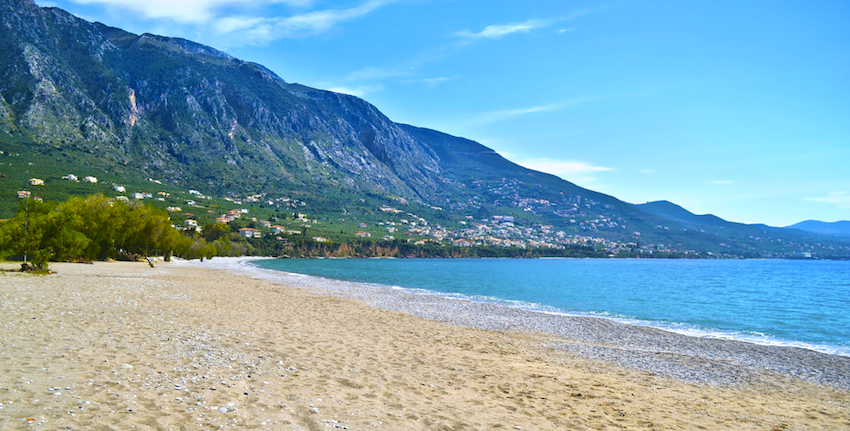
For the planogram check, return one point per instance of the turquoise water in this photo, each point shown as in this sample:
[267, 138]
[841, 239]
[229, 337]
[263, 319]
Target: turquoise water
[778, 302]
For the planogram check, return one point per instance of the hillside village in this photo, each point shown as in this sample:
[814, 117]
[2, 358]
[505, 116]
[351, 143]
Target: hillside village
[190, 210]
[262, 217]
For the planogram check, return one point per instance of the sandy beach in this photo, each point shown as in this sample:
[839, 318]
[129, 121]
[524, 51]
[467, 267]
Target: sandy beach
[120, 346]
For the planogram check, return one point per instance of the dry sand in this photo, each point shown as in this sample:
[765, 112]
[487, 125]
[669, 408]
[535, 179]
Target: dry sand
[120, 346]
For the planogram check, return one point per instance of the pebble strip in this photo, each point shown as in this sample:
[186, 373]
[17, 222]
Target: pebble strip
[692, 359]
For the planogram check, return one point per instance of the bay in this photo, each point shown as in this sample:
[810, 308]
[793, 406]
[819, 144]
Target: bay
[776, 302]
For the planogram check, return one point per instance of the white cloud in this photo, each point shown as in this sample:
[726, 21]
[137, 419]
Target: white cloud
[429, 82]
[184, 11]
[433, 82]
[244, 28]
[495, 116]
[323, 20]
[841, 199]
[360, 91]
[577, 172]
[368, 73]
[564, 168]
[254, 30]
[236, 23]
[564, 30]
[500, 30]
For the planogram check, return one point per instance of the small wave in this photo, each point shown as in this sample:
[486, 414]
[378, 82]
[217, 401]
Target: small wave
[743, 336]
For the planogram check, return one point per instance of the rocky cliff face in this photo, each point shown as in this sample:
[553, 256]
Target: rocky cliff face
[184, 112]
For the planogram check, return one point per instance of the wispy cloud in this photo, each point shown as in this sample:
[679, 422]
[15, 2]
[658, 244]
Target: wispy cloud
[562, 167]
[236, 23]
[360, 91]
[497, 31]
[253, 24]
[254, 30]
[185, 11]
[507, 114]
[408, 68]
[567, 169]
[648, 171]
[429, 82]
[500, 30]
[372, 73]
[433, 82]
[841, 199]
[320, 21]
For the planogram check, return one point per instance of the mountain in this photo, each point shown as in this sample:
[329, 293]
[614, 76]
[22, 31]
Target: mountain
[672, 211]
[675, 212]
[709, 222]
[77, 96]
[173, 109]
[792, 236]
[834, 228]
[189, 115]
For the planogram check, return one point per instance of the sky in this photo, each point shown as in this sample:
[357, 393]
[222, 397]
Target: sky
[735, 108]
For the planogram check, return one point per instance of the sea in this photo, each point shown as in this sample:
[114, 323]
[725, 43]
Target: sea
[800, 303]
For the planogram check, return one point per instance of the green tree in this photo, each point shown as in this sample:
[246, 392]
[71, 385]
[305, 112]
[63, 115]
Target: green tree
[25, 233]
[94, 228]
[214, 231]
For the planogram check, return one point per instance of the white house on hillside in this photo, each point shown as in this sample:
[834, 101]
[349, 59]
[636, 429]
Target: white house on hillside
[248, 232]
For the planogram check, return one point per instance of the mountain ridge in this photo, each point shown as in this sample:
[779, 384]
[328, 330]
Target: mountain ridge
[841, 227]
[149, 106]
[673, 211]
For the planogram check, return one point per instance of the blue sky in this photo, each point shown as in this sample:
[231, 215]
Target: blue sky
[736, 108]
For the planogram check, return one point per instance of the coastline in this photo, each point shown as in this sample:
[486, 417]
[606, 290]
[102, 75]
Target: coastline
[639, 347]
[188, 345]
[756, 317]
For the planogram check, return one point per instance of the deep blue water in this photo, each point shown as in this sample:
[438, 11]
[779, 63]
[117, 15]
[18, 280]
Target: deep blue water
[782, 302]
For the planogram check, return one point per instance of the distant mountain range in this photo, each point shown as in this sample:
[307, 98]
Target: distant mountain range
[80, 95]
[672, 211]
[834, 228]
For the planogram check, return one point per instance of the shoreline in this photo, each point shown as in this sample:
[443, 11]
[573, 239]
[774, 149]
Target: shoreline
[184, 346]
[685, 329]
[592, 337]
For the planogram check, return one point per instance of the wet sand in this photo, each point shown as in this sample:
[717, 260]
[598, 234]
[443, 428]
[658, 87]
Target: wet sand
[181, 346]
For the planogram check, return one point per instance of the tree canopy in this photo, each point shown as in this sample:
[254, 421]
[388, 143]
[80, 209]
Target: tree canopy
[94, 228]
